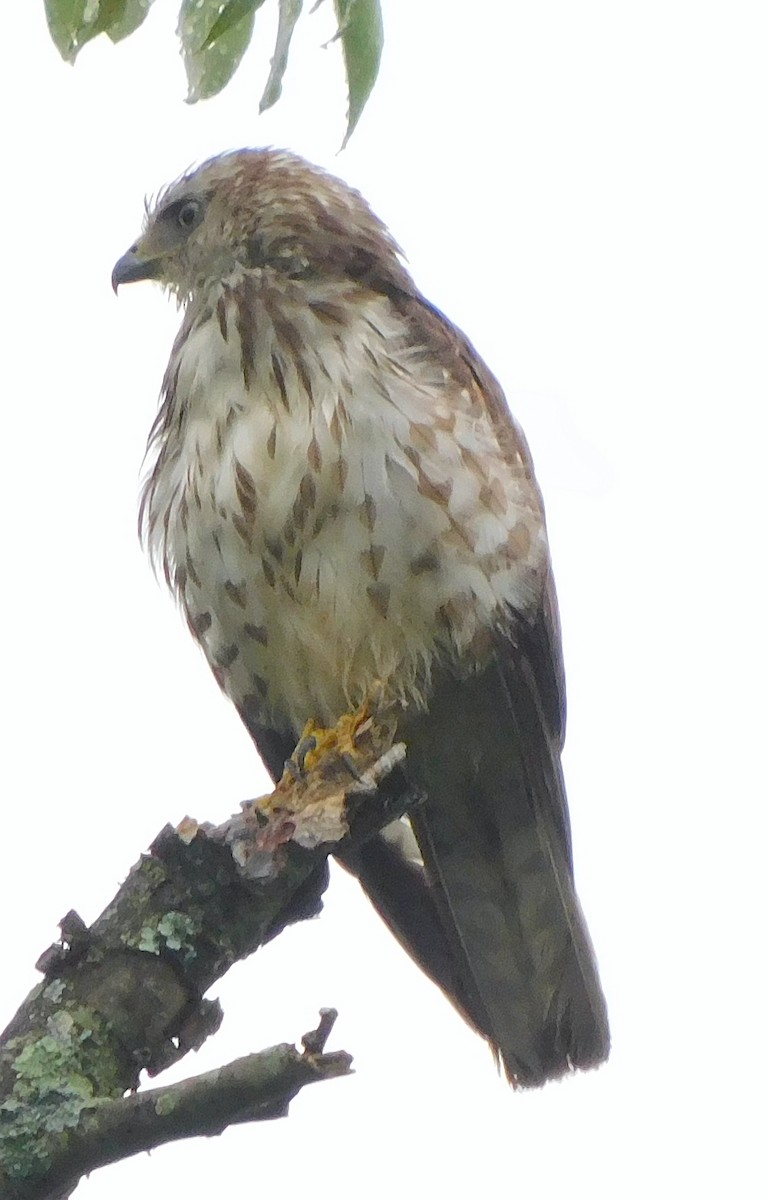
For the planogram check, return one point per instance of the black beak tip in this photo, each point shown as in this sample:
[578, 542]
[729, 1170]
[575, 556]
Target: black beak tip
[131, 268]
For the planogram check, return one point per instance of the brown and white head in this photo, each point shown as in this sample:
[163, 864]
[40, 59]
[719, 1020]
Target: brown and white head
[259, 209]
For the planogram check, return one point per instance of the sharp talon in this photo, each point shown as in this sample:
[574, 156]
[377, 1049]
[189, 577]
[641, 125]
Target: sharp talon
[296, 764]
[305, 747]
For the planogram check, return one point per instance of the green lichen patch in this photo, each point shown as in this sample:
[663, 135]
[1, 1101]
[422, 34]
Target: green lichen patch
[174, 931]
[55, 1083]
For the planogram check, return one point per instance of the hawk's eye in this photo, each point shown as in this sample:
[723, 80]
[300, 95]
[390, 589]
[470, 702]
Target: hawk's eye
[187, 216]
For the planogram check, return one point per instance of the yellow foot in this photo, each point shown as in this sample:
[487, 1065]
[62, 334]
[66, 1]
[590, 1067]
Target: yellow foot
[327, 766]
[349, 741]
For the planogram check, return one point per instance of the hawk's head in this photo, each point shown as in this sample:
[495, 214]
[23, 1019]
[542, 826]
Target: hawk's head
[258, 209]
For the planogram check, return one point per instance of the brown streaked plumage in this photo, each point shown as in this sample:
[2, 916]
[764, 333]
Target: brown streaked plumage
[340, 498]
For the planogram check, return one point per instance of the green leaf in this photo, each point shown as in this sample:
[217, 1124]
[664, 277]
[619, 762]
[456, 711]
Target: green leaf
[73, 23]
[134, 12]
[210, 64]
[215, 34]
[233, 11]
[63, 17]
[361, 32]
[290, 11]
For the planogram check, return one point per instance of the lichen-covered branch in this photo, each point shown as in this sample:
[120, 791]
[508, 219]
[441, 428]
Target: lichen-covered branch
[258, 1087]
[127, 993]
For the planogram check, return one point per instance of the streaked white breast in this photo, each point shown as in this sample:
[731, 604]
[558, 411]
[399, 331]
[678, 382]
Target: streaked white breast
[335, 511]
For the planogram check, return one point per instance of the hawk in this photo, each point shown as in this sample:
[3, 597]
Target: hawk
[340, 500]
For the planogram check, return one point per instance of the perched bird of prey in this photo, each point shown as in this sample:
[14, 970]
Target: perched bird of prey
[340, 500]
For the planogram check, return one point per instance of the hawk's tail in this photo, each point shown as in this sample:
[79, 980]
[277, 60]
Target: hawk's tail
[496, 921]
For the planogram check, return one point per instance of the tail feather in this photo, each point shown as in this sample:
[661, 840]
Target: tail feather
[496, 846]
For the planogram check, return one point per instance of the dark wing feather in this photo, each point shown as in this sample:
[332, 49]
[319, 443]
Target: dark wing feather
[494, 832]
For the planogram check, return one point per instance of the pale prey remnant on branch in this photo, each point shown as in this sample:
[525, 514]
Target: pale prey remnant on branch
[343, 506]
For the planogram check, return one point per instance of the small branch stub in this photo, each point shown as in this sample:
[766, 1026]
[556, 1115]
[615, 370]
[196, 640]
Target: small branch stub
[314, 1041]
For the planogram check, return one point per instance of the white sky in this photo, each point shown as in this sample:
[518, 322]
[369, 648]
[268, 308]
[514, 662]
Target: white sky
[583, 188]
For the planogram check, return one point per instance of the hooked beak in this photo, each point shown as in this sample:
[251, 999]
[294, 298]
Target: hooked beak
[132, 267]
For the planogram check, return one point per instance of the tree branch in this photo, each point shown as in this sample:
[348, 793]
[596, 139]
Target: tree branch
[127, 993]
[257, 1087]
